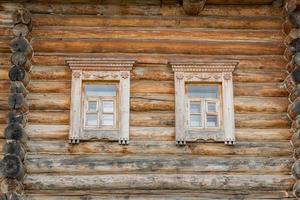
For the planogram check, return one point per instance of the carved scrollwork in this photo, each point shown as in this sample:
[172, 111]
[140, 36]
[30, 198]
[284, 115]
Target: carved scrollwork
[125, 75]
[227, 76]
[180, 76]
[76, 74]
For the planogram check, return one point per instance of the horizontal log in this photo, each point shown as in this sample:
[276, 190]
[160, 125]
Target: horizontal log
[163, 195]
[61, 132]
[156, 33]
[89, 165]
[161, 119]
[261, 62]
[150, 72]
[268, 149]
[193, 22]
[159, 181]
[165, 10]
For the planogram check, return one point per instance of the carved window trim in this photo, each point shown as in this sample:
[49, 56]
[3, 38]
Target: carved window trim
[95, 69]
[204, 72]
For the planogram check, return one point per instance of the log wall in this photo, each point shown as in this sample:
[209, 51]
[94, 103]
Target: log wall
[152, 167]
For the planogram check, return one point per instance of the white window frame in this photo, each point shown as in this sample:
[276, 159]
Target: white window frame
[99, 70]
[204, 73]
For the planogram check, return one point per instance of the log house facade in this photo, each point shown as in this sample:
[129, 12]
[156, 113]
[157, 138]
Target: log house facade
[146, 48]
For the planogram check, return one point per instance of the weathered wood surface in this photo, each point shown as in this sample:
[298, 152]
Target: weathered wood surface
[148, 10]
[159, 182]
[164, 147]
[60, 132]
[92, 165]
[165, 195]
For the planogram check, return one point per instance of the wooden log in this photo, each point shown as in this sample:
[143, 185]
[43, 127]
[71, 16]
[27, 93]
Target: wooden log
[295, 139]
[15, 132]
[89, 165]
[18, 87]
[192, 7]
[14, 148]
[295, 45]
[16, 117]
[162, 181]
[135, 21]
[294, 109]
[12, 167]
[21, 44]
[9, 186]
[296, 189]
[294, 18]
[296, 169]
[10, 196]
[277, 3]
[164, 46]
[21, 16]
[20, 59]
[18, 102]
[265, 148]
[296, 59]
[18, 73]
[21, 30]
[296, 75]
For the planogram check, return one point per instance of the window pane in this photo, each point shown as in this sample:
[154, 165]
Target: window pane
[204, 91]
[108, 120]
[195, 107]
[100, 90]
[92, 105]
[212, 121]
[108, 106]
[211, 107]
[195, 121]
[91, 119]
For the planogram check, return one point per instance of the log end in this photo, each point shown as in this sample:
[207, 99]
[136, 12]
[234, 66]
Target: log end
[12, 167]
[193, 7]
[296, 189]
[9, 185]
[14, 148]
[14, 132]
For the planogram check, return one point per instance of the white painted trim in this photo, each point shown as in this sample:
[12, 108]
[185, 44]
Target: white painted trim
[213, 72]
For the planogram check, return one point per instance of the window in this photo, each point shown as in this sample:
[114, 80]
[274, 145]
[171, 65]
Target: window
[204, 102]
[99, 99]
[203, 106]
[100, 106]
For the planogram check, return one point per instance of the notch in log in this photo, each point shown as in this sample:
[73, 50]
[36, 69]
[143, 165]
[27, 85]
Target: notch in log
[17, 73]
[16, 117]
[18, 102]
[20, 59]
[14, 148]
[295, 45]
[296, 169]
[193, 7]
[14, 132]
[21, 16]
[12, 167]
[21, 44]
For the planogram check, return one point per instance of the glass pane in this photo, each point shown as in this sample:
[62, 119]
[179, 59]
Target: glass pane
[108, 106]
[100, 90]
[203, 91]
[195, 107]
[212, 121]
[92, 106]
[195, 121]
[211, 107]
[91, 120]
[108, 120]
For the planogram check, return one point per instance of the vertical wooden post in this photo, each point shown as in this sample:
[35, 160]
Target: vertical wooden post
[179, 108]
[124, 107]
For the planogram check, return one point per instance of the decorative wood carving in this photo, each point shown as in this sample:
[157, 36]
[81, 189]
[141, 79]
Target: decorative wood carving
[215, 72]
[96, 69]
